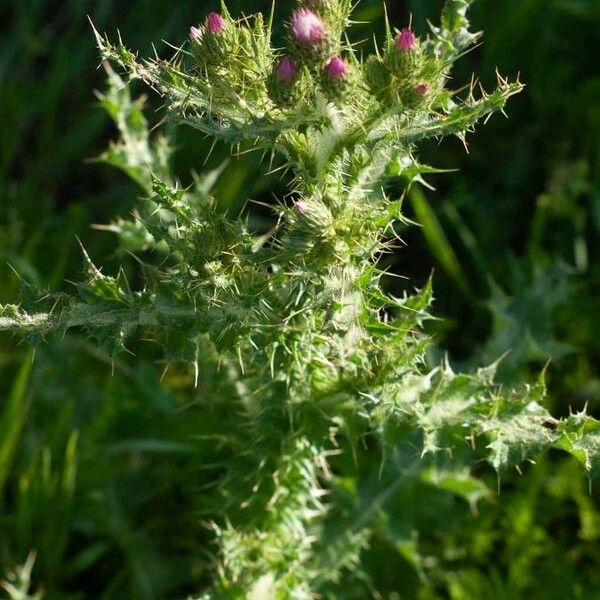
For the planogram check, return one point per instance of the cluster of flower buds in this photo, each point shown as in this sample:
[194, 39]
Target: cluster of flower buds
[400, 77]
[314, 49]
[314, 60]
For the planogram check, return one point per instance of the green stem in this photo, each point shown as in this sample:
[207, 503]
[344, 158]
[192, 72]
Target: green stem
[81, 315]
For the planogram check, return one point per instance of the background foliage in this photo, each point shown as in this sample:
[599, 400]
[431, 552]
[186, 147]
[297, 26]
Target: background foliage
[97, 465]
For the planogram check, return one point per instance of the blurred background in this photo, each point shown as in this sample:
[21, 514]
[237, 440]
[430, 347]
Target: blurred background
[96, 474]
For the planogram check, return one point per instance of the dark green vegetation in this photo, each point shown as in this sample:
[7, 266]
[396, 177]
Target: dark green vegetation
[97, 469]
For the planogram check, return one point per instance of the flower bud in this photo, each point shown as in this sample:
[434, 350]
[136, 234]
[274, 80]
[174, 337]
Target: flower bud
[311, 219]
[301, 207]
[307, 27]
[286, 70]
[335, 78]
[406, 41]
[404, 57]
[336, 69]
[311, 231]
[377, 76]
[414, 96]
[310, 35]
[422, 89]
[215, 23]
[213, 40]
[284, 84]
[195, 35]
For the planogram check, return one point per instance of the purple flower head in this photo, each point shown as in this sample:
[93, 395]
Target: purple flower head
[286, 69]
[307, 27]
[336, 68]
[195, 34]
[406, 40]
[422, 89]
[215, 23]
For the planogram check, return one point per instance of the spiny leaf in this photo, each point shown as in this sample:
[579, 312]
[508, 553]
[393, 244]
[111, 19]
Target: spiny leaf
[580, 436]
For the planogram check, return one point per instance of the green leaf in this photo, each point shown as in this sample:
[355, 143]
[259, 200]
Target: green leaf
[580, 436]
[459, 482]
[12, 419]
[437, 240]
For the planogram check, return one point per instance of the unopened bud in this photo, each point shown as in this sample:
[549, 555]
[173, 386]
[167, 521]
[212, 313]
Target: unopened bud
[301, 207]
[307, 27]
[404, 58]
[195, 35]
[377, 76]
[413, 96]
[285, 84]
[311, 219]
[215, 23]
[406, 40]
[286, 70]
[336, 69]
[422, 89]
[311, 36]
[336, 79]
[212, 41]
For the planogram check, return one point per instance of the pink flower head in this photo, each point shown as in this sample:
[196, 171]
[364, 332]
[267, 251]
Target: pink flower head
[195, 34]
[406, 40]
[301, 207]
[286, 69]
[307, 27]
[336, 68]
[422, 89]
[215, 23]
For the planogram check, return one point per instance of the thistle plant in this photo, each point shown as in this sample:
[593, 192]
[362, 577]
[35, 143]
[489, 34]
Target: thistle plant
[328, 409]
